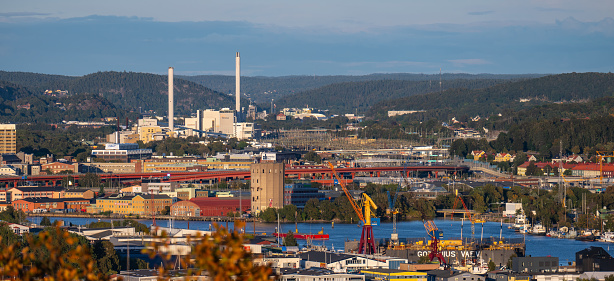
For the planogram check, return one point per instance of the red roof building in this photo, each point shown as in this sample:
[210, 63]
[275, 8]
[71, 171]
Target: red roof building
[209, 207]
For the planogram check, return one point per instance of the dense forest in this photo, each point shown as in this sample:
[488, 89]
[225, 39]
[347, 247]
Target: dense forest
[579, 136]
[262, 89]
[19, 105]
[348, 97]
[504, 98]
[129, 91]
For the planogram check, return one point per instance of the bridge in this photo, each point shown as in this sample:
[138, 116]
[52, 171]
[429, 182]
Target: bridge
[322, 174]
[451, 212]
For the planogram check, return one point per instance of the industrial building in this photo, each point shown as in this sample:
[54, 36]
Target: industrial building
[267, 184]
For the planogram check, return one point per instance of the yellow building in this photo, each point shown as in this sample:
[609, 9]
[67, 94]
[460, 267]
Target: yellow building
[8, 140]
[134, 205]
[393, 274]
[146, 132]
[166, 166]
[503, 157]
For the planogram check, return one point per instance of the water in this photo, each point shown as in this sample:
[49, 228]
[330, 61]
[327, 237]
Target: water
[565, 249]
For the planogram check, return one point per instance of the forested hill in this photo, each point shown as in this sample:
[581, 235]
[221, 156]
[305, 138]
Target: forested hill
[349, 96]
[19, 105]
[505, 98]
[263, 89]
[127, 90]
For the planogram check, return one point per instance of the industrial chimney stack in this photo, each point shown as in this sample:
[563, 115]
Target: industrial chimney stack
[171, 117]
[238, 85]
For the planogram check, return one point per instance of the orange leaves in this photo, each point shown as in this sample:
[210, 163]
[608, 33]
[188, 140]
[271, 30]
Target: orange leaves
[221, 255]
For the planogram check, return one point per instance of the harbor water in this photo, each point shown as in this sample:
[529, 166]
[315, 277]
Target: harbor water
[564, 249]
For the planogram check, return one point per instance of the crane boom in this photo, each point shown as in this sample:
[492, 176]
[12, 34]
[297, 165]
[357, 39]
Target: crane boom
[347, 193]
[367, 240]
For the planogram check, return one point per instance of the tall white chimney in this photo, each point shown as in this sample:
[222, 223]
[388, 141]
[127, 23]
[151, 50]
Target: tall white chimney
[238, 84]
[171, 117]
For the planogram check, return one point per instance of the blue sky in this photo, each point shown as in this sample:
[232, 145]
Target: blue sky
[275, 38]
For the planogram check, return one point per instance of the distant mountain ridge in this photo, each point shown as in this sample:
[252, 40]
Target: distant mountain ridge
[127, 90]
[262, 89]
[349, 97]
[505, 98]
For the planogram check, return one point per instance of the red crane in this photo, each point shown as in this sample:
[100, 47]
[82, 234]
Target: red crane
[435, 234]
[367, 241]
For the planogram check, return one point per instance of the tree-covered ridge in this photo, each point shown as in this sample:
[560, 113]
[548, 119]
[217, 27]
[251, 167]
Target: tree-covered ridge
[348, 96]
[262, 89]
[506, 98]
[19, 105]
[127, 90]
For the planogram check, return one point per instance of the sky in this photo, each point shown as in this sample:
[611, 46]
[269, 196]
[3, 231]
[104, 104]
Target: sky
[280, 37]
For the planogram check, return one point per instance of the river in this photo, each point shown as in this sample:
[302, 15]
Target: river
[565, 249]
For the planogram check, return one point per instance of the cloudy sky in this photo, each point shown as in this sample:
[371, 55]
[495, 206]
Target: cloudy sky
[276, 38]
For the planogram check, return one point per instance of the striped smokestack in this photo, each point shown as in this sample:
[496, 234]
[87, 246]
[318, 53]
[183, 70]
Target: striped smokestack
[171, 117]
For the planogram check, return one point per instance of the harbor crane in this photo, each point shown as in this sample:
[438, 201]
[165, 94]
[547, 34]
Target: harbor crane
[367, 241]
[392, 210]
[394, 236]
[472, 219]
[436, 235]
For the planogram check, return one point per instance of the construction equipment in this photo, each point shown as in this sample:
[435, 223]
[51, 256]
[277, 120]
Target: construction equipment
[367, 241]
[472, 219]
[392, 210]
[600, 156]
[436, 235]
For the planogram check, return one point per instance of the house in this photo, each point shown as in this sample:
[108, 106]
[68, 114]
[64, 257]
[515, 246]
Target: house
[18, 228]
[349, 263]
[532, 158]
[280, 117]
[317, 274]
[8, 170]
[594, 259]
[503, 157]
[477, 154]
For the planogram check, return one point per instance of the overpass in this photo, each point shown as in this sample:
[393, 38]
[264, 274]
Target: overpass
[322, 173]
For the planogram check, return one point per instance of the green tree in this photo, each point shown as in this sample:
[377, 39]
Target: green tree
[7, 236]
[491, 265]
[313, 157]
[89, 180]
[312, 209]
[13, 215]
[45, 222]
[106, 257]
[269, 215]
[290, 240]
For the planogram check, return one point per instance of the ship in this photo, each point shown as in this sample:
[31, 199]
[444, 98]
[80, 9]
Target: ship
[304, 236]
[456, 251]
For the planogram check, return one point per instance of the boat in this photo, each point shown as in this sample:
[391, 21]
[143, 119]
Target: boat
[586, 236]
[607, 237]
[304, 236]
[320, 236]
[571, 234]
[520, 222]
[538, 229]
